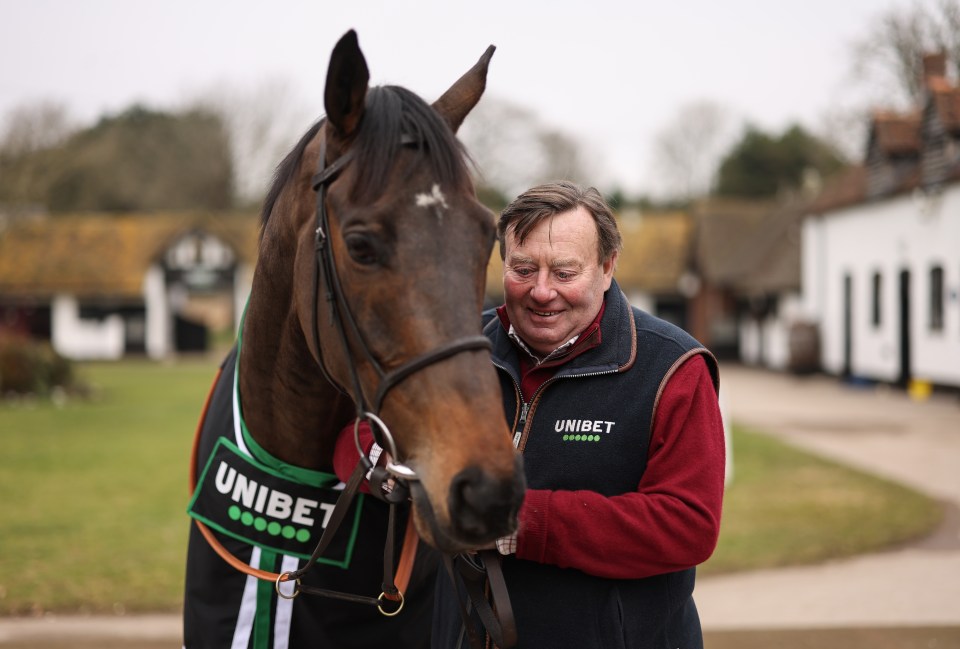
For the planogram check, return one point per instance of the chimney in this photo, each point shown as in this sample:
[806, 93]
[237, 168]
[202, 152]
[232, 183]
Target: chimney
[934, 67]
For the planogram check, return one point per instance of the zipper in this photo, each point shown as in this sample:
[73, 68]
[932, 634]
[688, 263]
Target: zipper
[524, 405]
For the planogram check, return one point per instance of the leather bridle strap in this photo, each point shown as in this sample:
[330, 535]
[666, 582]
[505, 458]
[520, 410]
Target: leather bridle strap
[476, 573]
[342, 317]
[395, 376]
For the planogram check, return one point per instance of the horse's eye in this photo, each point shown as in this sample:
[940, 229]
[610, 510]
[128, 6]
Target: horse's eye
[362, 249]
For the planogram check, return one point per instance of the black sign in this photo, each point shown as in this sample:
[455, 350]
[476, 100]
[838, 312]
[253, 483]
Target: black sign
[244, 499]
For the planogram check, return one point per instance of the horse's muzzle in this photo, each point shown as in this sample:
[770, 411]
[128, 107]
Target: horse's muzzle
[483, 507]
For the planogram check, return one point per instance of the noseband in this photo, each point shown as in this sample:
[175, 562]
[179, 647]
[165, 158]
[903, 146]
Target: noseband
[343, 319]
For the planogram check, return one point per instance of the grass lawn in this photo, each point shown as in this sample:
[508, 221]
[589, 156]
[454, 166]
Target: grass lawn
[787, 507]
[92, 497]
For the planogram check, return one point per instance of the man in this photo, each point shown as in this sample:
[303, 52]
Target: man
[616, 415]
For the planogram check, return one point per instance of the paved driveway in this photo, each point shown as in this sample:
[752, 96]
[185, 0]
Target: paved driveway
[882, 431]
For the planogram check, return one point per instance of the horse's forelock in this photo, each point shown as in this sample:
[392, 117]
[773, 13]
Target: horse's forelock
[393, 113]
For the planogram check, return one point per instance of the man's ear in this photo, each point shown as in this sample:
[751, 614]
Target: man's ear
[609, 266]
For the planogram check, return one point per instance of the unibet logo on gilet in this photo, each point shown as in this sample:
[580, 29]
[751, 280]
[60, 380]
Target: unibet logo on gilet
[583, 430]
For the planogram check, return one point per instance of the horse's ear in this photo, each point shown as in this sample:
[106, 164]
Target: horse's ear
[463, 95]
[346, 89]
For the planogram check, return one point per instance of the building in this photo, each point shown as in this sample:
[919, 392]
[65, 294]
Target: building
[103, 286]
[881, 248]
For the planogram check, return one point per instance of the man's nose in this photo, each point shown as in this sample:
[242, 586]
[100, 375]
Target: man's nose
[542, 290]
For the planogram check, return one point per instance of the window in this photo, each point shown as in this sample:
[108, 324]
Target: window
[936, 298]
[877, 285]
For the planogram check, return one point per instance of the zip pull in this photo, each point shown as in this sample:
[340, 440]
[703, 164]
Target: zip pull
[523, 418]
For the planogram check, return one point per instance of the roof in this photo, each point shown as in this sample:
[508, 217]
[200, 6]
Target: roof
[721, 226]
[946, 102]
[656, 251]
[750, 246]
[103, 255]
[896, 134]
[849, 187]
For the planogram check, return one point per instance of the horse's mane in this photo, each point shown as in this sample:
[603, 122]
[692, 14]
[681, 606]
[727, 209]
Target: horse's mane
[391, 114]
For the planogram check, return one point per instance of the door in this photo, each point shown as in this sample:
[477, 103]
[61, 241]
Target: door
[905, 373]
[847, 325]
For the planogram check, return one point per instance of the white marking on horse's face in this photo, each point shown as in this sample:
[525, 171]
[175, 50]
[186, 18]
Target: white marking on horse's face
[434, 198]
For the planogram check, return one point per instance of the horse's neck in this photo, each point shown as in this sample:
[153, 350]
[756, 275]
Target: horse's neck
[289, 408]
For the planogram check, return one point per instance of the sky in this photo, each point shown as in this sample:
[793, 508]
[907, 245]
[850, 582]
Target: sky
[611, 74]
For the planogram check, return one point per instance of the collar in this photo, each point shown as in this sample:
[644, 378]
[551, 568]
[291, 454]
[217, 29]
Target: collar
[563, 350]
[616, 326]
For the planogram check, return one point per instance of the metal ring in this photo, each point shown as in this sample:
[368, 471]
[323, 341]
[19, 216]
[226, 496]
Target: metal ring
[387, 436]
[296, 587]
[395, 469]
[380, 604]
[401, 471]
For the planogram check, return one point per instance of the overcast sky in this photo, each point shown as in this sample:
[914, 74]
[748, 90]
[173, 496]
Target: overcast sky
[611, 73]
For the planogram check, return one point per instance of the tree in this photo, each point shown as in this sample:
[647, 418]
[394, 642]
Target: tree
[514, 150]
[28, 130]
[762, 165]
[34, 126]
[139, 160]
[687, 151]
[890, 57]
[263, 123]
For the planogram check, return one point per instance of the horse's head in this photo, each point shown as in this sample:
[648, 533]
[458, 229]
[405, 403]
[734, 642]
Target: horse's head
[407, 244]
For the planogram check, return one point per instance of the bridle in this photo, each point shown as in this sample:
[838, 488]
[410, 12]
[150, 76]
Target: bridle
[500, 626]
[342, 319]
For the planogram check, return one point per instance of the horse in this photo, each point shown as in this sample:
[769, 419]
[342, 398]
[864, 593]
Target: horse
[364, 306]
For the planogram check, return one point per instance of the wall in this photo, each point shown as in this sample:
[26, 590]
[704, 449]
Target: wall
[81, 339]
[913, 233]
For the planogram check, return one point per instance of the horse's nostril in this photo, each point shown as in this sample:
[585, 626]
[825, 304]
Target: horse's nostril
[482, 507]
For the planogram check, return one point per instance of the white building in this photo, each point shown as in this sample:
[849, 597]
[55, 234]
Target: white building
[881, 249]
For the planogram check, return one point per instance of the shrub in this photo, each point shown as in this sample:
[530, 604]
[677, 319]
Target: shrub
[31, 367]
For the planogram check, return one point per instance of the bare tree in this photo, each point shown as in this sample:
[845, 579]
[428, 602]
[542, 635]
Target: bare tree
[890, 57]
[28, 134]
[687, 151]
[514, 150]
[35, 126]
[263, 122]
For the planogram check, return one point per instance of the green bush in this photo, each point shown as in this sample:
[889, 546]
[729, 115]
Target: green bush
[31, 367]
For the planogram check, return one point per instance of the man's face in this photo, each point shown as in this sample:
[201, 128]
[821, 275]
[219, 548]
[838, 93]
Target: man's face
[554, 282]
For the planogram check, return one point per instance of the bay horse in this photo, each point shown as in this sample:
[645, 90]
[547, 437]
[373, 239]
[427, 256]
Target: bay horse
[364, 305]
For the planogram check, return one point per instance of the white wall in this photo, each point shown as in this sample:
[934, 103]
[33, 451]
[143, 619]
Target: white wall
[81, 339]
[911, 233]
[159, 321]
[242, 282]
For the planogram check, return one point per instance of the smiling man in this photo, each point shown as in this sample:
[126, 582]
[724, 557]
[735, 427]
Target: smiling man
[616, 415]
